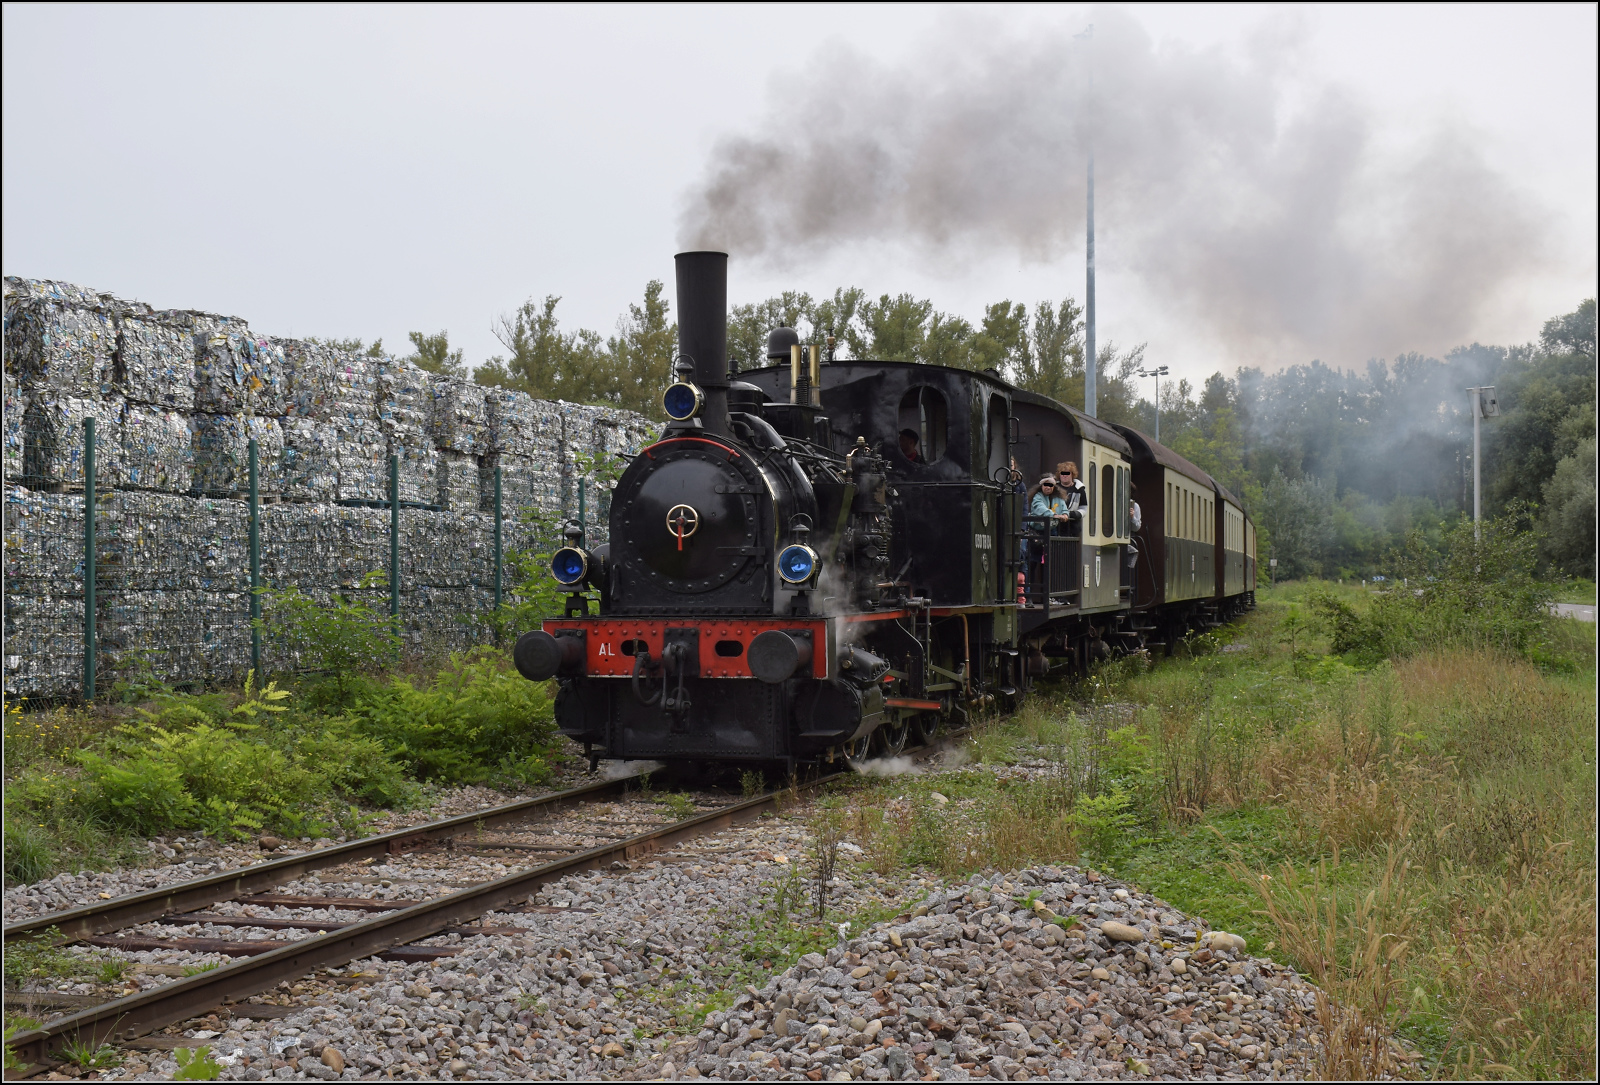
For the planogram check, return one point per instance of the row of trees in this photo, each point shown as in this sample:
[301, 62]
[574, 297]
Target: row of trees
[1335, 465]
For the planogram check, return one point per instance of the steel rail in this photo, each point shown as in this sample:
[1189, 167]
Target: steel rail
[136, 908]
[135, 1015]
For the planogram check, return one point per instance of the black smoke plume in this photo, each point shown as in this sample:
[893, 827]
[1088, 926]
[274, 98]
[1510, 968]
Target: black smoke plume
[1282, 222]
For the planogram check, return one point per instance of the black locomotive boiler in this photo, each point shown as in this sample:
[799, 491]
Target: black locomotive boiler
[789, 580]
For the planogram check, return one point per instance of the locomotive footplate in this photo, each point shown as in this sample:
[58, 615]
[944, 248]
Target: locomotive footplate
[671, 689]
[612, 645]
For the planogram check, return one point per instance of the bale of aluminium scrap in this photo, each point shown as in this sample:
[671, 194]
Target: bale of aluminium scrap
[154, 363]
[53, 441]
[157, 449]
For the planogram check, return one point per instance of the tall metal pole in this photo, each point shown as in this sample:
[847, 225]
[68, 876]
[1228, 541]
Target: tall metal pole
[394, 543]
[1158, 408]
[255, 561]
[1089, 359]
[1477, 475]
[582, 488]
[88, 560]
[497, 551]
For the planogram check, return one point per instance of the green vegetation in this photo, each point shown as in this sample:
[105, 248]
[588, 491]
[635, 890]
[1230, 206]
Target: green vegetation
[1393, 791]
[14, 1026]
[305, 756]
[196, 1064]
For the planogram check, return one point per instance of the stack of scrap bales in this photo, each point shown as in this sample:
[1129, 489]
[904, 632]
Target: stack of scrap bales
[222, 454]
[524, 440]
[175, 577]
[459, 428]
[447, 573]
[44, 570]
[59, 345]
[404, 400]
[176, 397]
[333, 447]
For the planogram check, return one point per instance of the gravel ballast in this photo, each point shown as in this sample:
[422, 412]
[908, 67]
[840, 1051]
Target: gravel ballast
[984, 982]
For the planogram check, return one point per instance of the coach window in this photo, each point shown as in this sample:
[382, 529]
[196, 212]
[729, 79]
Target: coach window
[1088, 515]
[922, 409]
[1108, 500]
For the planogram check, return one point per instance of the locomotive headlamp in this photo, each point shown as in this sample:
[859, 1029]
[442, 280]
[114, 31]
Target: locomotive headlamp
[570, 565]
[797, 563]
[682, 401]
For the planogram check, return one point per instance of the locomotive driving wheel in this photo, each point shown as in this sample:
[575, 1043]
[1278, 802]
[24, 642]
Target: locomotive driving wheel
[857, 750]
[890, 739]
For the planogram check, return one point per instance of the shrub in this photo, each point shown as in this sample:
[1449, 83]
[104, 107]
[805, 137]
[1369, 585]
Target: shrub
[344, 637]
[477, 720]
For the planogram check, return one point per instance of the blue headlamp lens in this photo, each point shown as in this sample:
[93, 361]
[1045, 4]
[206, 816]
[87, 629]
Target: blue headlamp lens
[569, 564]
[682, 401]
[797, 563]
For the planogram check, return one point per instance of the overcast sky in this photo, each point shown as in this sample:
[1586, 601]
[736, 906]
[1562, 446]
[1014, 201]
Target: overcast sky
[367, 171]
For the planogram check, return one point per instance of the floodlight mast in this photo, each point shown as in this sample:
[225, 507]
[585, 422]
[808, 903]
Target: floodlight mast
[1157, 372]
[1484, 405]
[1090, 399]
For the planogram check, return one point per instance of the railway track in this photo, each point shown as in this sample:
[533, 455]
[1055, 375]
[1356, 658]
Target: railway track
[290, 933]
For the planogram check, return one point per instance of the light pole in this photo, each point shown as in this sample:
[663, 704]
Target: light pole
[1090, 398]
[1484, 405]
[1157, 372]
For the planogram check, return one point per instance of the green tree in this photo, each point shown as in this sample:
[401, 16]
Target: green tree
[1567, 519]
[1001, 342]
[892, 329]
[1054, 360]
[433, 353]
[546, 362]
[749, 325]
[838, 315]
[639, 357]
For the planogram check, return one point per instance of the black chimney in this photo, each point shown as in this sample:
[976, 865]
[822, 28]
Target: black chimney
[703, 330]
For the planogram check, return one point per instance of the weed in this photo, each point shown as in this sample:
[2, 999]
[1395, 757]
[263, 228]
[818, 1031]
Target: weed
[28, 855]
[40, 956]
[827, 829]
[109, 969]
[14, 1026]
[679, 805]
[197, 969]
[196, 1064]
[752, 783]
[87, 1057]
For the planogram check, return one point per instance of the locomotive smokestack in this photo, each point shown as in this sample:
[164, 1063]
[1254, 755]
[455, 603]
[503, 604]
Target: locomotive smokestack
[703, 329]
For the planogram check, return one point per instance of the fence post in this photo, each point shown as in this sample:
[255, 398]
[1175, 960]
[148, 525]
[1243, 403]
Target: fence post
[88, 560]
[255, 562]
[497, 551]
[394, 543]
[582, 490]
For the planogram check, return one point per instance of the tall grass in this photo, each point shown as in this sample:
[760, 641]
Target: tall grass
[1415, 832]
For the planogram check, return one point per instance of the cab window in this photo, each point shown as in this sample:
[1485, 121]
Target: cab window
[923, 412]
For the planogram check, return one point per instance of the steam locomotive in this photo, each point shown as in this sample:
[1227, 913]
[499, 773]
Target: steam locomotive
[786, 582]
